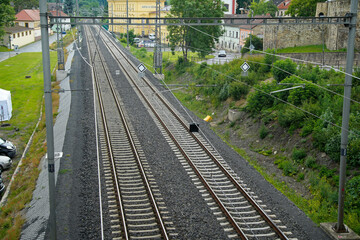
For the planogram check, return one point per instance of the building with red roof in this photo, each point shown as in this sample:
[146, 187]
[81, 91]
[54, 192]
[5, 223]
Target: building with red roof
[282, 8]
[29, 18]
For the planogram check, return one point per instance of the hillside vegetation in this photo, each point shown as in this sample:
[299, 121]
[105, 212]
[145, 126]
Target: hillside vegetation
[311, 113]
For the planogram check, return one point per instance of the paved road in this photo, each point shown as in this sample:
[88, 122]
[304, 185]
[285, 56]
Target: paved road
[33, 47]
[221, 60]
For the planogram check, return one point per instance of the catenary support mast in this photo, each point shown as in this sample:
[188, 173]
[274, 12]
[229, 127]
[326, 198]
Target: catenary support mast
[48, 115]
[340, 227]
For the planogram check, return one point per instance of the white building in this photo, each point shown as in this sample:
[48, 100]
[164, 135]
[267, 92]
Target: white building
[63, 27]
[230, 5]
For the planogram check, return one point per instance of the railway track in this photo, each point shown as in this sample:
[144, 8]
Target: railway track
[134, 203]
[236, 206]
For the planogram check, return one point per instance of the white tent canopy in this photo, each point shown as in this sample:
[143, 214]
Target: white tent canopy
[5, 105]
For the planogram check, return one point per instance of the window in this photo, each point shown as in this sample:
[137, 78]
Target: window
[18, 34]
[14, 36]
[29, 32]
[26, 33]
[226, 6]
[22, 34]
[27, 25]
[237, 34]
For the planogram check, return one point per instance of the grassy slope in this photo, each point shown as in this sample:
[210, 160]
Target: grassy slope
[27, 95]
[306, 49]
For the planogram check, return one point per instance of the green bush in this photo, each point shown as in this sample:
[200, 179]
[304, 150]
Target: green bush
[354, 151]
[289, 169]
[332, 147]
[259, 100]
[307, 128]
[325, 172]
[353, 193]
[310, 162]
[255, 41]
[300, 177]
[224, 92]
[291, 117]
[237, 90]
[283, 69]
[264, 131]
[269, 59]
[300, 95]
[298, 155]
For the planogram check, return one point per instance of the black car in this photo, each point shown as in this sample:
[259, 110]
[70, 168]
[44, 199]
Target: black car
[7, 148]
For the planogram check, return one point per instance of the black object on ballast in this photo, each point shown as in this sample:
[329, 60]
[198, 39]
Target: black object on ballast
[194, 127]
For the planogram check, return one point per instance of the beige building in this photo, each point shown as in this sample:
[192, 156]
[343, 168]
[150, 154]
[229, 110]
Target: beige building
[18, 36]
[137, 9]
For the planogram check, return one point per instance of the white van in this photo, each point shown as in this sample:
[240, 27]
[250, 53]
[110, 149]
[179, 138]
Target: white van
[152, 36]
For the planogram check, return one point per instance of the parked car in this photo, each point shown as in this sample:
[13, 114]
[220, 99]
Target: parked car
[152, 36]
[2, 186]
[7, 148]
[5, 163]
[136, 40]
[222, 53]
[146, 43]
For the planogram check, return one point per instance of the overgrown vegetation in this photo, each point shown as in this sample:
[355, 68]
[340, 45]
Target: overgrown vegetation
[225, 84]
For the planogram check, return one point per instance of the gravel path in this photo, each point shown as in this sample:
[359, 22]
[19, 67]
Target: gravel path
[38, 212]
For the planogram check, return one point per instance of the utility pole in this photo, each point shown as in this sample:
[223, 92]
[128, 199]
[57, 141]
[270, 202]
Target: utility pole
[48, 115]
[340, 227]
[127, 25]
[77, 26]
[157, 50]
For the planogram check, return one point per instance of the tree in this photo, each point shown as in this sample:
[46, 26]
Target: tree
[25, 4]
[262, 8]
[7, 16]
[242, 4]
[199, 39]
[255, 41]
[68, 6]
[303, 8]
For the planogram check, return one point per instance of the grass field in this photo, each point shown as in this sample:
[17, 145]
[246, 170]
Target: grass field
[27, 98]
[307, 49]
[26, 93]
[4, 49]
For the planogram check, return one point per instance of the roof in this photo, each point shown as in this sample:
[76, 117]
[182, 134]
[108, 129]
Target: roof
[28, 15]
[16, 29]
[61, 13]
[243, 18]
[284, 5]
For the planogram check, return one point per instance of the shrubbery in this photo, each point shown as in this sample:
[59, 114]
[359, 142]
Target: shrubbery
[283, 69]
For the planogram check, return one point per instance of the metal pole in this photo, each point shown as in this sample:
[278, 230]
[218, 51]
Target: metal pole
[77, 26]
[251, 32]
[127, 21]
[48, 115]
[340, 227]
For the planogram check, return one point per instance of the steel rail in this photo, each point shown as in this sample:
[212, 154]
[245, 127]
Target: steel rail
[108, 142]
[215, 197]
[137, 157]
[231, 178]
